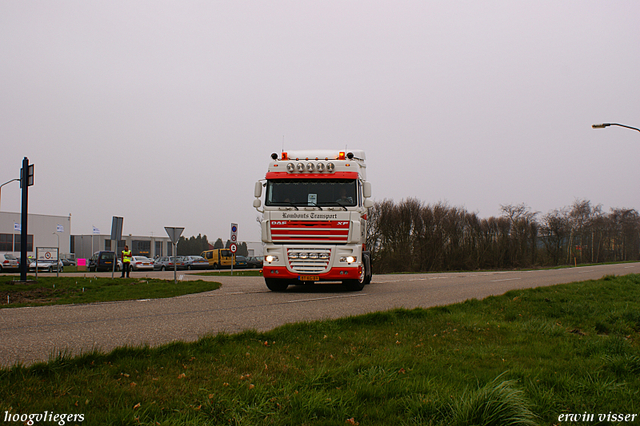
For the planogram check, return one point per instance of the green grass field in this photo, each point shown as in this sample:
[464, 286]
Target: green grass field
[523, 358]
[87, 288]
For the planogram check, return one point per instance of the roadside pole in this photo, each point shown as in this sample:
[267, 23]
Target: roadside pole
[26, 180]
[233, 247]
[174, 236]
[116, 235]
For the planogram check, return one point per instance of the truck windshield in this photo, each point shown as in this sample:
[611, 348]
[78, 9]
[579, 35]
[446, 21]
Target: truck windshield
[312, 193]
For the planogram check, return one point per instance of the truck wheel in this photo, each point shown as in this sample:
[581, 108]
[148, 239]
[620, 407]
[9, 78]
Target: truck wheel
[367, 269]
[276, 285]
[355, 285]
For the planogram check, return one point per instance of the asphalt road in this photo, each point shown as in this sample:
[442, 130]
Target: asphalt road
[30, 335]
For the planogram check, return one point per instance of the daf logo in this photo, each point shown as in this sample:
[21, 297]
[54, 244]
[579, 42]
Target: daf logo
[278, 222]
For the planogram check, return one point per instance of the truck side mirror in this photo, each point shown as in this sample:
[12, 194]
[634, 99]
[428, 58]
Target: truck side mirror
[368, 203]
[257, 203]
[257, 191]
[366, 190]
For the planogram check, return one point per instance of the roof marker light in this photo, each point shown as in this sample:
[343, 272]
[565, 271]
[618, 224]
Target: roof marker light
[284, 156]
[330, 167]
[291, 167]
[320, 167]
[300, 167]
[341, 155]
[310, 167]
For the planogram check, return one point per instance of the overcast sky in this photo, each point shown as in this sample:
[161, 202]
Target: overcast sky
[166, 113]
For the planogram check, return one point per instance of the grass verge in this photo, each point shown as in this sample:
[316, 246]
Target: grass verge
[90, 289]
[523, 358]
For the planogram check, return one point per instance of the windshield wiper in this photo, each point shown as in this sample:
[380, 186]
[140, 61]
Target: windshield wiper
[314, 204]
[335, 203]
[283, 203]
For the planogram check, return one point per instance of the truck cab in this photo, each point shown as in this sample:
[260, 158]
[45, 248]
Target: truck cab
[314, 219]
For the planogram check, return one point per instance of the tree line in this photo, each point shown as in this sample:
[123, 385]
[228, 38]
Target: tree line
[196, 245]
[412, 236]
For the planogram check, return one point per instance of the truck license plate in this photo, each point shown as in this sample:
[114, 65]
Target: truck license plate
[309, 278]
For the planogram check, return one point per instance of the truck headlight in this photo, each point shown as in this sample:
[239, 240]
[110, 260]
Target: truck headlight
[270, 258]
[348, 259]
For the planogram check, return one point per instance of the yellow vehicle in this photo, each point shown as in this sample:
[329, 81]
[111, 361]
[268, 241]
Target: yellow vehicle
[219, 258]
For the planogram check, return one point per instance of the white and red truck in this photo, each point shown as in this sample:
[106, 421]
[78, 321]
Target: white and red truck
[314, 219]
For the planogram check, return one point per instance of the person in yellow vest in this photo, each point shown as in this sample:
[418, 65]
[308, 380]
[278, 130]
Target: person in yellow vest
[126, 261]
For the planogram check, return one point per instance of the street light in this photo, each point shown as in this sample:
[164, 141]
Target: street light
[603, 125]
[4, 185]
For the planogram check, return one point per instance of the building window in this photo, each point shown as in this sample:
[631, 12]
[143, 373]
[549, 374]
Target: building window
[141, 248]
[169, 249]
[107, 245]
[158, 248]
[6, 242]
[18, 240]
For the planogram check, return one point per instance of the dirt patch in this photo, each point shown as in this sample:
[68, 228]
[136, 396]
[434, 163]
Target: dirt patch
[36, 295]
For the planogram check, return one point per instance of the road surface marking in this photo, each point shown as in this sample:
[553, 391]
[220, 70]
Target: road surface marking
[325, 298]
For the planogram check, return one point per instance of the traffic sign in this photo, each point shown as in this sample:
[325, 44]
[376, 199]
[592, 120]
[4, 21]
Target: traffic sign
[174, 233]
[116, 228]
[234, 232]
[233, 247]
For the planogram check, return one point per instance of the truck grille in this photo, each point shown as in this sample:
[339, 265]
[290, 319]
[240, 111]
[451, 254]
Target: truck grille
[309, 260]
[330, 231]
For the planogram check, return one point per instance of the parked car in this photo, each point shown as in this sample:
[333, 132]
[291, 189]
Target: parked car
[102, 261]
[8, 262]
[168, 263]
[255, 261]
[68, 262]
[196, 262]
[47, 265]
[140, 263]
[241, 262]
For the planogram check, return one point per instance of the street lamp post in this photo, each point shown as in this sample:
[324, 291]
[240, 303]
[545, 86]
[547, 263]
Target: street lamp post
[603, 125]
[5, 184]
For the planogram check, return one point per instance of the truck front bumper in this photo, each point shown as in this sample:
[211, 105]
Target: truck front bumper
[334, 274]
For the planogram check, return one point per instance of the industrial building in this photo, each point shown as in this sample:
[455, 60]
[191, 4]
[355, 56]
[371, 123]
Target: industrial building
[85, 245]
[43, 231]
[47, 231]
